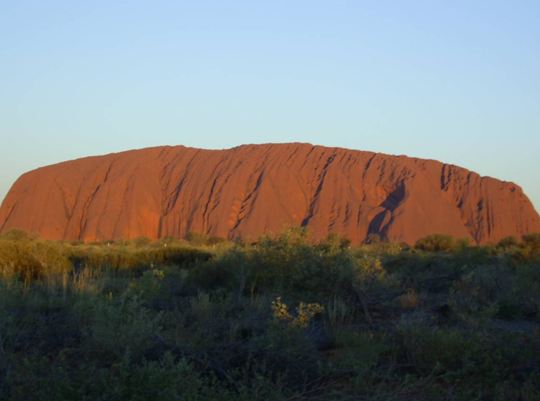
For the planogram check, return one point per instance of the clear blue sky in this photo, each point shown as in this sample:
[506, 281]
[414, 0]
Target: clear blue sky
[457, 81]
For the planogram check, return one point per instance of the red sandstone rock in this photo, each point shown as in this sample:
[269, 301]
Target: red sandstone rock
[252, 190]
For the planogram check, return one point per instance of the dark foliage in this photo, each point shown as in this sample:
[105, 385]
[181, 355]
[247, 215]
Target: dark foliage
[281, 319]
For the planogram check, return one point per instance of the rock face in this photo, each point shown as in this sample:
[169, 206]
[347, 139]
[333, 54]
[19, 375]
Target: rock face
[252, 190]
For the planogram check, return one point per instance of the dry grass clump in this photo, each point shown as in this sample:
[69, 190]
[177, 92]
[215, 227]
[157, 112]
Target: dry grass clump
[409, 300]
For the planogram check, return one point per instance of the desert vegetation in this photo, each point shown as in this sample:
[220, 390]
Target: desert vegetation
[280, 319]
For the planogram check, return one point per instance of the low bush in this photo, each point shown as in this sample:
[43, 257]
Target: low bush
[436, 243]
[29, 261]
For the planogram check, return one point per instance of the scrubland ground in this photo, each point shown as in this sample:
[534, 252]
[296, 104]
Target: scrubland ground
[281, 319]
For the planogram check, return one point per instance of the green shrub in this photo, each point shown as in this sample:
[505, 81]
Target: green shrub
[29, 261]
[429, 349]
[199, 239]
[508, 243]
[120, 326]
[17, 235]
[531, 246]
[478, 293]
[436, 243]
[359, 352]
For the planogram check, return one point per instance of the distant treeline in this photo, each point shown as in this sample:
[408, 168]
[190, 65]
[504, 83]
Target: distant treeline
[29, 257]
